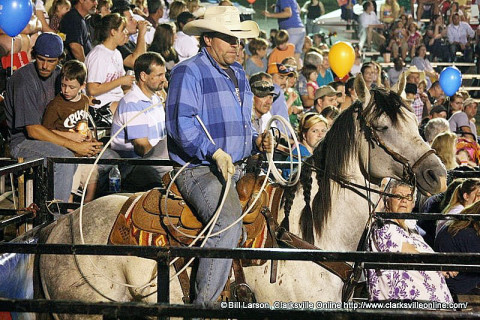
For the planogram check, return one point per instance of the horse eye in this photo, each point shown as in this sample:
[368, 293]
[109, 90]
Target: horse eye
[381, 129]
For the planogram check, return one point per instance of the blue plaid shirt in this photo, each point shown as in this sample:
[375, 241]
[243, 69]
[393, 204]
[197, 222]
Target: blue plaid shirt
[199, 86]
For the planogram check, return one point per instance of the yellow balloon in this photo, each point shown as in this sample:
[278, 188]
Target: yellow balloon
[341, 58]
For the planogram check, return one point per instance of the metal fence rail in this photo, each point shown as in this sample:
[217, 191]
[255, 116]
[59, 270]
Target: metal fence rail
[421, 261]
[237, 311]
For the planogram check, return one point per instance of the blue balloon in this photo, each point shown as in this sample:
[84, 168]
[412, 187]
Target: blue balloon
[15, 15]
[450, 80]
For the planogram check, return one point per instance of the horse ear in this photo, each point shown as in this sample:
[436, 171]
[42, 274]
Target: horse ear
[399, 87]
[361, 89]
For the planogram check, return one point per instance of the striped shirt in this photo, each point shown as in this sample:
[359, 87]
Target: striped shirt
[200, 87]
[149, 124]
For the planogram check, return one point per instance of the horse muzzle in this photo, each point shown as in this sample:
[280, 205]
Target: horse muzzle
[431, 175]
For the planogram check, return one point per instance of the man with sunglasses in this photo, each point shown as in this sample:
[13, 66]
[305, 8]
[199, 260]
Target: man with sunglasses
[263, 91]
[208, 120]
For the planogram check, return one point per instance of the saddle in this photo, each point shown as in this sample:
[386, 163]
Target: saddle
[143, 219]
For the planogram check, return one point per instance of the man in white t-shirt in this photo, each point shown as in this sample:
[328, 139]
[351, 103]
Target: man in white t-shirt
[460, 122]
[368, 23]
[185, 45]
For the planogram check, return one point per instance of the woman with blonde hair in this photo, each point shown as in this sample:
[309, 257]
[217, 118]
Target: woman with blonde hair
[312, 128]
[464, 237]
[176, 7]
[445, 144]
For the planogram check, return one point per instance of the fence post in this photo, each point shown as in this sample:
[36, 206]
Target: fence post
[163, 278]
[40, 195]
[50, 185]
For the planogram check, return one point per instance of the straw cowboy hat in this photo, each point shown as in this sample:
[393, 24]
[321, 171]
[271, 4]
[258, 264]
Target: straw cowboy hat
[222, 19]
[414, 69]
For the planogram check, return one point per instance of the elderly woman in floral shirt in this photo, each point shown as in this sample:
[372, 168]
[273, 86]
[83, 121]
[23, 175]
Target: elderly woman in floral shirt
[398, 235]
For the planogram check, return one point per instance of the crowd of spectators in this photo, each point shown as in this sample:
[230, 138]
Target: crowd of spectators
[289, 74]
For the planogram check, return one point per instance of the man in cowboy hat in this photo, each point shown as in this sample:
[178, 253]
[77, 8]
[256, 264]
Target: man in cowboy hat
[209, 111]
[420, 104]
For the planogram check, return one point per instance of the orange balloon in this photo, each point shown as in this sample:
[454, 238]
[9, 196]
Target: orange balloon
[341, 58]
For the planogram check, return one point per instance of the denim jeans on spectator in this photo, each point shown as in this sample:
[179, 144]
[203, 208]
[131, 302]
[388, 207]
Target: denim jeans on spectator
[34, 149]
[347, 13]
[297, 37]
[311, 27]
[202, 187]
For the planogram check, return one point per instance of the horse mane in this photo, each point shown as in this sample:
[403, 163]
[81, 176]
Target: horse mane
[333, 157]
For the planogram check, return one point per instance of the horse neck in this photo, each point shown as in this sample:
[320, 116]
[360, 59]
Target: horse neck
[348, 215]
[347, 218]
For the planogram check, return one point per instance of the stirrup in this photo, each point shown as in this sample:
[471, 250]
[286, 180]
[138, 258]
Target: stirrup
[248, 292]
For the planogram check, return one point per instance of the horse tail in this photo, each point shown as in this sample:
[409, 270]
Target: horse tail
[306, 218]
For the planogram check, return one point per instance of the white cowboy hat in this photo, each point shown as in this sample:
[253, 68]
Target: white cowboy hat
[222, 19]
[414, 69]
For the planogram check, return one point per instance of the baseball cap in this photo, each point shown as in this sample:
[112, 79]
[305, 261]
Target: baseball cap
[279, 68]
[49, 45]
[326, 91]
[437, 109]
[469, 101]
[262, 88]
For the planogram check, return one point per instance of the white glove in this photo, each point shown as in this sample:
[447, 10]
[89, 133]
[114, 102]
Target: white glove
[224, 163]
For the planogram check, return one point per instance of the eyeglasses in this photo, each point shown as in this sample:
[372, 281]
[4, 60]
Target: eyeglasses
[408, 197]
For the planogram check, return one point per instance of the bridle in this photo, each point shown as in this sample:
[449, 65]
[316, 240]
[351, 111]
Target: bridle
[374, 139]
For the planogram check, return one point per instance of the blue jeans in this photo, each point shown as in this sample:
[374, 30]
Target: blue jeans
[202, 187]
[311, 27]
[34, 149]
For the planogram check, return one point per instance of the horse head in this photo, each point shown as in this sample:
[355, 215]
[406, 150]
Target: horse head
[396, 148]
[375, 138]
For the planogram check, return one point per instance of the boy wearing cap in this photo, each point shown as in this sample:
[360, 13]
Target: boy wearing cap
[326, 96]
[29, 91]
[208, 120]
[280, 73]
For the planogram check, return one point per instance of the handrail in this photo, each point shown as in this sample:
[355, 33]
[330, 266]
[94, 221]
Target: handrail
[444, 260]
